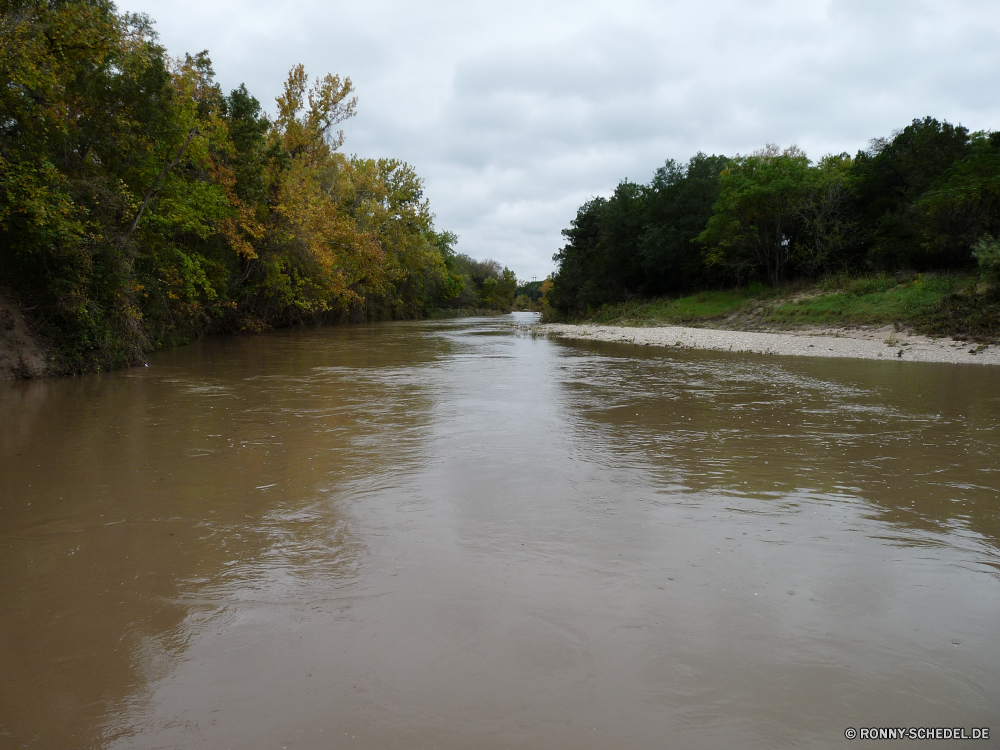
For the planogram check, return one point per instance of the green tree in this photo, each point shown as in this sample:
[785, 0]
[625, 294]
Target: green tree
[679, 204]
[574, 286]
[91, 121]
[828, 235]
[961, 206]
[388, 201]
[139, 206]
[891, 177]
[754, 229]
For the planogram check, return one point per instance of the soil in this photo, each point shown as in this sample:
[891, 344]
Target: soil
[22, 353]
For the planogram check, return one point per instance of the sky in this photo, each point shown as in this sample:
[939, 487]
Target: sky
[515, 113]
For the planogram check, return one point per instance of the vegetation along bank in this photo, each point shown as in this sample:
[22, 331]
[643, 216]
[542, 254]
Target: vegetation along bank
[904, 233]
[141, 206]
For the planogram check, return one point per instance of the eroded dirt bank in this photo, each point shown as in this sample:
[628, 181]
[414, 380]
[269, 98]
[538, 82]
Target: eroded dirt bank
[22, 354]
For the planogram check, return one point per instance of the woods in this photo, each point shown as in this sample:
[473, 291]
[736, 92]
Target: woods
[925, 200]
[141, 206]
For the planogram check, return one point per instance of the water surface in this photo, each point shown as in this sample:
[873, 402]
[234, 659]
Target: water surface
[453, 535]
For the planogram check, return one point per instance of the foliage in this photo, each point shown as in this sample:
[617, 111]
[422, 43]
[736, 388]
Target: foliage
[486, 285]
[927, 199]
[639, 241]
[532, 290]
[903, 194]
[987, 254]
[141, 206]
[926, 303]
[755, 225]
[679, 204]
[575, 285]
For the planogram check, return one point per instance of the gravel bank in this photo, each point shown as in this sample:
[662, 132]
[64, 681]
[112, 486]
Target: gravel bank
[879, 343]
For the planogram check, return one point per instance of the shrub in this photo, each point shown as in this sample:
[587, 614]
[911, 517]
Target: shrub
[835, 282]
[987, 255]
[872, 284]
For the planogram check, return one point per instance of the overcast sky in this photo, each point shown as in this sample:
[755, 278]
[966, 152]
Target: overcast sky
[516, 112]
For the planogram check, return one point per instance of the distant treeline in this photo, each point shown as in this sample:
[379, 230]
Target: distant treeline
[927, 199]
[142, 206]
[529, 295]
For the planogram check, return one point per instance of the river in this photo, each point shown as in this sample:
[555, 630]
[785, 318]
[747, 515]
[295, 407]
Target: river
[453, 534]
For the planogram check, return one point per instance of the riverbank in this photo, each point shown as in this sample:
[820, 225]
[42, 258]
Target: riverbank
[937, 305]
[25, 354]
[22, 353]
[883, 343]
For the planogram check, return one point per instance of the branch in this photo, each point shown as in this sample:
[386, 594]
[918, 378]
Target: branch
[154, 188]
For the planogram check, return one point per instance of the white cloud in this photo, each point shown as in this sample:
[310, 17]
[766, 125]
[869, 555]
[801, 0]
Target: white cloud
[517, 112]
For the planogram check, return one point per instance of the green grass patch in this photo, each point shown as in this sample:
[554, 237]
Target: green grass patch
[937, 304]
[876, 300]
[702, 306]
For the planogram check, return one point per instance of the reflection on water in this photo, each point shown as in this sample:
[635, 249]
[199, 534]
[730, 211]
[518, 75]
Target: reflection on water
[918, 444]
[450, 534]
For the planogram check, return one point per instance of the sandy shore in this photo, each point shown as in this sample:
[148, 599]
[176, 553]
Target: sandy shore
[877, 343]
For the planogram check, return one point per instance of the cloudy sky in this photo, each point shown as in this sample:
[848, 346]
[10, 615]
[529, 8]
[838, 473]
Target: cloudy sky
[516, 112]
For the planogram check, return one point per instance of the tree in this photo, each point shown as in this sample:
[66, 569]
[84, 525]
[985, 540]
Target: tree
[828, 237]
[961, 206]
[388, 202]
[679, 204]
[90, 120]
[139, 206]
[573, 286]
[754, 229]
[314, 257]
[619, 264]
[891, 177]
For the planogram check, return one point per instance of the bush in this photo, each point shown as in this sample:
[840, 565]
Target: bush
[872, 284]
[835, 282]
[972, 314]
[987, 255]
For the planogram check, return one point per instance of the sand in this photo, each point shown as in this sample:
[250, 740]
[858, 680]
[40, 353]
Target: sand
[22, 354]
[854, 343]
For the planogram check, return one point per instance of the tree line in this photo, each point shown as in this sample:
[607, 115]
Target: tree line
[141, 206]
[926, 199]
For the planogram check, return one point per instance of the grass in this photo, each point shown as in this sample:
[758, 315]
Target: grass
[878, 300]
[973, 313]
[936, 304]
[704, 306]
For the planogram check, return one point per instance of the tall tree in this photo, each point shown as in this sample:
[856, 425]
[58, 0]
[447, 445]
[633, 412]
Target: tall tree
[754, 229]
[891, 177]
[574, 287]
[679, 204]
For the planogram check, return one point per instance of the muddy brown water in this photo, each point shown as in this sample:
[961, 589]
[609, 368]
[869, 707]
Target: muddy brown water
[454, 535]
